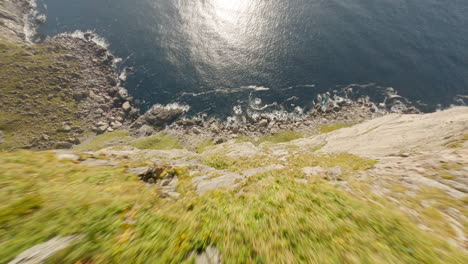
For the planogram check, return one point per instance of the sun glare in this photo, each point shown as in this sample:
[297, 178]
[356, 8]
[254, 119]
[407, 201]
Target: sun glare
[231, 5]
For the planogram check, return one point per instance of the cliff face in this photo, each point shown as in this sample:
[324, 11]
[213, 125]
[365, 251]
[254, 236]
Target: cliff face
[13, 17]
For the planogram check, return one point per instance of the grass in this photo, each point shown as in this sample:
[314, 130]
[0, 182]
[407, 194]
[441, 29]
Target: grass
[203, 145]
[333, 127]
[274, 220]
[457, 143]
[107, 139]
[161, 141]
[35, 91]
[281, 137]
[348, 162]
[221, 162]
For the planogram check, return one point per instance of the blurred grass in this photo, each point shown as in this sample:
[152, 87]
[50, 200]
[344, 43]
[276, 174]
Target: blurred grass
[281, 137]
[160, 141]
[332, 127]
[274, 220]
[105, 140]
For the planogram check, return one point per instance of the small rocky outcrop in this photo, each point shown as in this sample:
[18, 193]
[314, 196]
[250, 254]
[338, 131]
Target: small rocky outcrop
[159, 115]
[40, 253]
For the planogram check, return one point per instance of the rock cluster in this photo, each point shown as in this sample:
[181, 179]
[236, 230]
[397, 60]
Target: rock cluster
[195, 130]
[101, 100]
[156, 117]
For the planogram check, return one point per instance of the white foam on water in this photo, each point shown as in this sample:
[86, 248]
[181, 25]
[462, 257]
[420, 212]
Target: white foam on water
[30, 26]
[173, 106]
[98, 40]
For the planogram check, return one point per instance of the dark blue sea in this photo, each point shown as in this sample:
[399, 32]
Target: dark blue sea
[216, 54]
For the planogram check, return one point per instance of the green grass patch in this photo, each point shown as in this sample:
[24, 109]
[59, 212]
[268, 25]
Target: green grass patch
[274, 220]
[35, 87]
[281, 137]
[330, 128]
[348, 162]
[238, 164]
[107, 139]
[161, 141]
[203, 145]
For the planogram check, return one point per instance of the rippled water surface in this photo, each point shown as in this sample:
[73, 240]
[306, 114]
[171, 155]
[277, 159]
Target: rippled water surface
[212, 54]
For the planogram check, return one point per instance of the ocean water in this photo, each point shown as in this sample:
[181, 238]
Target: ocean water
[217, 54]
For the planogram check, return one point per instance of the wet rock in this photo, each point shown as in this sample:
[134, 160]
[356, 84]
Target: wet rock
[66, 129]
[40, 19]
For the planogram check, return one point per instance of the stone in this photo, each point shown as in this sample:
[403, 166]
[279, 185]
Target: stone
[66, 128]
[196, 130]
[214, 128]
[67, 156]
[63, 145]
[314, 171]
[116, 124]
[99, 163]
[159, 115]
[103, 128]
[41, 252]
[140, 171]
[126, 106]
[334, 173]
[2, 137]
[263, 123]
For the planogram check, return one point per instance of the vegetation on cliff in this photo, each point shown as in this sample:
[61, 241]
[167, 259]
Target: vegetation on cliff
[273, 220]
[35, 97]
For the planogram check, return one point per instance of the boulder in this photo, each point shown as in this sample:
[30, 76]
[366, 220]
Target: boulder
[63, 145]
[314, 171]
[126, 106]
[334, 174]
[143, 131]
[159, 116]
[263, 123]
